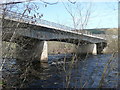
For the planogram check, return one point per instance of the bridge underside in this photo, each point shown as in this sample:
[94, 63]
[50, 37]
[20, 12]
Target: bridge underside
[35, 49]
[10, 37]
[45, 33]
[32, 40]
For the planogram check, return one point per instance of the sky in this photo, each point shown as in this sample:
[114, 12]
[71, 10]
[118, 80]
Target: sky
[103, 14]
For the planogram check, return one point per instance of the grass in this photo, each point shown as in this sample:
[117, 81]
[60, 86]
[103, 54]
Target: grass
[112, 43]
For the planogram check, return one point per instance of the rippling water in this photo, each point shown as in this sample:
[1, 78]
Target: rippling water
[91, 72]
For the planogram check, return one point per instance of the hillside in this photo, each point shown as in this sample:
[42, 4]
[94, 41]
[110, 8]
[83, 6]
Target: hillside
[101, 30]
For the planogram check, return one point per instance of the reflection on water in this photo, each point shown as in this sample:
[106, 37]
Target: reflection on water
[61, 72]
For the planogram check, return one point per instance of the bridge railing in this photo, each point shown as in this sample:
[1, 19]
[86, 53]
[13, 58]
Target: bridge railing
[26, 18]
[38, 21]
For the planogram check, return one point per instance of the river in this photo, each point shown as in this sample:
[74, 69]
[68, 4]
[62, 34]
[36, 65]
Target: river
[63, 71]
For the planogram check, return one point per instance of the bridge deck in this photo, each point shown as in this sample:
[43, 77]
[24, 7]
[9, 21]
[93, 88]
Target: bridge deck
[43, 23]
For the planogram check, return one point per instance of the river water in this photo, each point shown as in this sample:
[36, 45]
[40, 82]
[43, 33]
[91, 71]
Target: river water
[63, 71]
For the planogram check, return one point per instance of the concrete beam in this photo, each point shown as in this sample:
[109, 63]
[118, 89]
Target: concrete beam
[44, 33]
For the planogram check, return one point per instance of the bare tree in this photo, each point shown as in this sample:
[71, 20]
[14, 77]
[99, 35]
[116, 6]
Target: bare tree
[30, 8]
[80, 14]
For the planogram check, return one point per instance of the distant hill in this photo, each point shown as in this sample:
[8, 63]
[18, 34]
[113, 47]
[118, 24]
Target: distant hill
[98, 30]
[101, 30]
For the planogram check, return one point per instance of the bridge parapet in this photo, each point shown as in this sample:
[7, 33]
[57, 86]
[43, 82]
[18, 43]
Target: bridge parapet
[37, 21]
[29, 19]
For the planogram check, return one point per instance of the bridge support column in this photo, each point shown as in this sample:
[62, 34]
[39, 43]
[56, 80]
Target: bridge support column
[32, 50]
[87, 48]
[94, 51]
[43, 47]
[100, 47]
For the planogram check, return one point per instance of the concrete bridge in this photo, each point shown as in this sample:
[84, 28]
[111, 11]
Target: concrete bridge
[31, 35]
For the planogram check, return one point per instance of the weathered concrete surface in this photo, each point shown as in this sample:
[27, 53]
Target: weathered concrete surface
[94, 52]
[30, 49]
[43, 48]
[48, 34]
[87, 48]
[55, 47]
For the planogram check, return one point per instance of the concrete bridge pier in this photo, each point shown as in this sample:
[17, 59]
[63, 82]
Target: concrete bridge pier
[94, 47]
[87, 48]
[43, 49]
[32, 50]
[100, 47]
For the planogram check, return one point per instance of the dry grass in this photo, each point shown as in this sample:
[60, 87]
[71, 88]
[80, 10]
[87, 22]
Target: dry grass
[112, 40]
[8, 52]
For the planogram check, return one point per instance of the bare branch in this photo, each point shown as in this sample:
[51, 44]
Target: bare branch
[72, 2]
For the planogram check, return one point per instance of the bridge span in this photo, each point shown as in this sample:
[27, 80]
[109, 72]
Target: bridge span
[31, 35]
